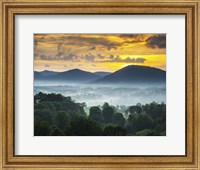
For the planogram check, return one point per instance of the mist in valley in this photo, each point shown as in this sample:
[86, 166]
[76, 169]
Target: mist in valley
[114, 94]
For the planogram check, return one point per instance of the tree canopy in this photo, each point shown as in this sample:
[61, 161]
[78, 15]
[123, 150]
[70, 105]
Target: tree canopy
[57, 115]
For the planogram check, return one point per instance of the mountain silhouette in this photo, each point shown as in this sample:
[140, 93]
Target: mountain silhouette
[134, 74]
[75, 75]
[48, 73]
[127, 75]
[102, 73]
[38, 76]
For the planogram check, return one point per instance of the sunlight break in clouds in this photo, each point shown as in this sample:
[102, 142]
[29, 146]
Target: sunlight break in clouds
[97, 52]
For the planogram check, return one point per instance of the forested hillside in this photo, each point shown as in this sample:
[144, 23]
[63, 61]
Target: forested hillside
[56, 115]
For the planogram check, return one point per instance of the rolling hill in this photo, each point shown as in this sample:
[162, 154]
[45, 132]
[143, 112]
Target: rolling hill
[134, 74]
[48, 73]
[38, 76]
[127, 75]
[102, 73]
[74, 75]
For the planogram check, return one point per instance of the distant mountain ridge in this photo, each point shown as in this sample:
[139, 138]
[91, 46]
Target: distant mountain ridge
[127, 75]
[134, 74]
[102, 73]
[75, 75]
[48, 73]
[38, 76]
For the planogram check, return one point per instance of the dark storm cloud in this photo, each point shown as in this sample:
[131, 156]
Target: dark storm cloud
[59, 54]
[35, 43]
[126, 60]
[101, 56]
[79, 40]
[153, 41]
[89, 57]
[140, 60]
[59, 47]
[44, 57]
[157, 41]
[111, 56]
[36, 56]
[92, 48]
[70, 56]
[135, 36]
[87, 47]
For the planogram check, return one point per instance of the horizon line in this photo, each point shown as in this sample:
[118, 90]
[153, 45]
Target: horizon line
[96, 71]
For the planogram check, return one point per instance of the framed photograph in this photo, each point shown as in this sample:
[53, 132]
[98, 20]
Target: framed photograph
[100, 84]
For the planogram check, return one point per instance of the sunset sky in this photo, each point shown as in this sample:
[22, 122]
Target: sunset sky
[98, 52]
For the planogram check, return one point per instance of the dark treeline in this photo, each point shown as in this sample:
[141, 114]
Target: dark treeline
[56, 115]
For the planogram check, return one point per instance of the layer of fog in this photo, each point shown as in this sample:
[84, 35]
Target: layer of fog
[113, 94]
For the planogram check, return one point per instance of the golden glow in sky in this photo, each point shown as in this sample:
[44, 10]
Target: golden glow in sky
[98, 52]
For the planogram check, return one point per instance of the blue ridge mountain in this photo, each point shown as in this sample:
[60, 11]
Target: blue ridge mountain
[134, 74]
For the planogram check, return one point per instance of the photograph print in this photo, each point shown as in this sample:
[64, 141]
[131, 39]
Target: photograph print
[99, 84]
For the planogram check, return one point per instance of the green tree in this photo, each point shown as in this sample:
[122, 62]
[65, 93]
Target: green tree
[95, 114]
[114, 131]
[56, 132]
[119, 119]
[146, 132]
[144, 122]
[81, 126]
[62, 119]
[130, 125]
[119, 131]
[158, 128]
[105, 105]
[108, 113]
[43, 115]
[109, 131]
[41, 128]
[163, 133]
[135, 109]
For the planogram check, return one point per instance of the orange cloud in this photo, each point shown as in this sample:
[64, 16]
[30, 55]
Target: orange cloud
[98, 52]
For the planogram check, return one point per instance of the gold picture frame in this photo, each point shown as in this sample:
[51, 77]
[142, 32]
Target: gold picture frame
[189, 8]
